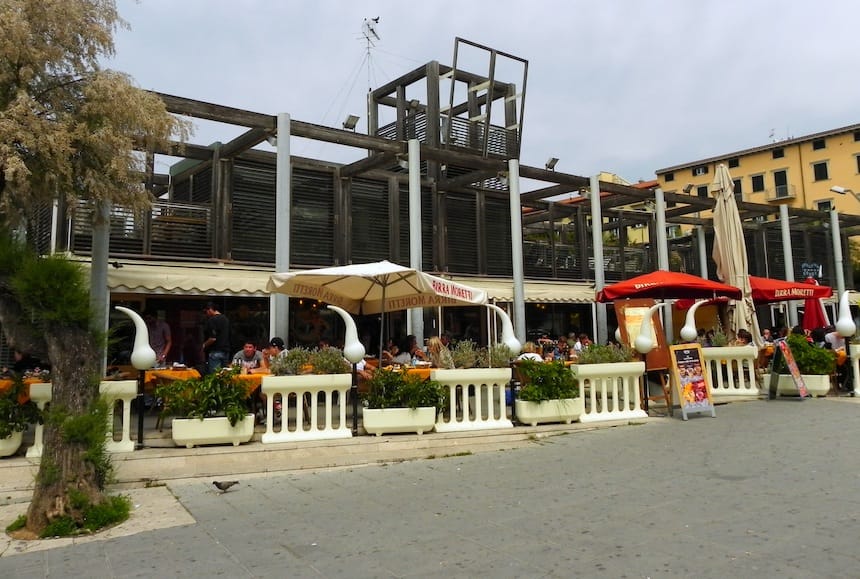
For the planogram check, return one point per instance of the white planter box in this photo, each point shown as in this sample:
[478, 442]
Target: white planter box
[380, 421]
[10, 444]
[566, 410]
[816, 384]
[190, 432]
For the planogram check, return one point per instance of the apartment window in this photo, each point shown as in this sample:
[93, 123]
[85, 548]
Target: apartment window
[739, 190]
[778, 153]
[780, 181]
[857, 158]
[820, 171]
[824, 205]
[734, 163]
[669, 177]
[700, 170]
[758, 181]
[817, 144]
[702, 190]
[857, 135]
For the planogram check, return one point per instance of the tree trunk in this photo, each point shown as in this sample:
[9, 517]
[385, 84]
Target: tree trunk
[64, 467]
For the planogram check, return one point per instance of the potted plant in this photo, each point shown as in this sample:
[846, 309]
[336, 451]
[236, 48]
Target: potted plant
[208, 410]
[465, 354]
[610, 374]
[17, 412]
[307, 375]
[548, 393]
[815, 365]
[399, 402]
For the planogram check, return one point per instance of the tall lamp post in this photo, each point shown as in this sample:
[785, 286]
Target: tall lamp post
[846, 328]
[142, 358]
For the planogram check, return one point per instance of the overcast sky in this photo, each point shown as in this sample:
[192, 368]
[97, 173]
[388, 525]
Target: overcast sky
[625, 86]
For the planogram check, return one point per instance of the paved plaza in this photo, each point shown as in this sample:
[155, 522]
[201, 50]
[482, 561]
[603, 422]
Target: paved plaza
[766, 489]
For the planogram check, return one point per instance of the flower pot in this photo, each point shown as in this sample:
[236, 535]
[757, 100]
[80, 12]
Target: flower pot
[566, 410]
[10, 444]
[191, 432]
[380, 421]
[816, 384]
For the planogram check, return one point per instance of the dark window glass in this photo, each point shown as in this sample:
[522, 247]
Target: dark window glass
[702, 190]
[778, 153]
[757, 183]
[817, 144]
[820, 171]
[734, 163]
[669, 177]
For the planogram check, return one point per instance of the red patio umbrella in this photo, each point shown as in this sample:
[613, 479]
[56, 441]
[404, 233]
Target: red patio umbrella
[814, 315]
[663, 284]
[766, 290]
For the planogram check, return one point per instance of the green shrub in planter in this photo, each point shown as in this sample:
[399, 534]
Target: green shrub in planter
[543, 381]
[605, 354]
[465, 354]
[290, 362]
[216, 394]
[810, 359]
[329, 361]
[494, 356]
[388, 389]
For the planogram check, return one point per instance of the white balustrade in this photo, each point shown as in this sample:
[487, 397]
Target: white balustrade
[613, 390]
[300, 421]
[476, 399]
[732, 370]
[854, 353]
[41, 395]
[122, 391]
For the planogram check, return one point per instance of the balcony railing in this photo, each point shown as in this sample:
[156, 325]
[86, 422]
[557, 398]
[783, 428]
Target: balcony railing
[780, 193]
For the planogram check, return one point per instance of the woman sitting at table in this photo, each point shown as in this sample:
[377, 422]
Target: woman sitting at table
[440, 356]
[530, 352]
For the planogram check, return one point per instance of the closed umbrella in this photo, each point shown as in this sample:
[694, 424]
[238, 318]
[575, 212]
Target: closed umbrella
[814, 315]
[730, 253]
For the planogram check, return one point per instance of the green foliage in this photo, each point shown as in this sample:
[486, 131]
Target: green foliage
[465, 354]
[388, 389]
[15, 416]
[216, 394]
[810, 359]
[329, 361]
[546, 381]
[719, 338]
[17, 524]
[111, 511]
[290, 362]
[54, 290]
[495, 356]
[88, 431]
[605, 354]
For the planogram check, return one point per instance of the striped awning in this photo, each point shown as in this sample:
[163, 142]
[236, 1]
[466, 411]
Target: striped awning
[502, 290]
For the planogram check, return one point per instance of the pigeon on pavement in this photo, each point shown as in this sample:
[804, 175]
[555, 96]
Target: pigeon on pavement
[224, 485]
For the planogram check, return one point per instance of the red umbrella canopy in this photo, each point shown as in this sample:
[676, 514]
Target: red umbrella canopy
[766, 290]
[662, 284]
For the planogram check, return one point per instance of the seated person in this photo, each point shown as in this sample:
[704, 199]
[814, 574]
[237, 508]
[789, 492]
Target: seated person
[274, 349]
[414, 349]
[249, 358]
[530, 352]
[440, 356]
[402, 355]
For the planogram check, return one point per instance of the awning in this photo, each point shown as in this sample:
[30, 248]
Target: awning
[502, 290]
[167, 278]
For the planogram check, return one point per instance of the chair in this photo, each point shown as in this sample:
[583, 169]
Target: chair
[665, 393]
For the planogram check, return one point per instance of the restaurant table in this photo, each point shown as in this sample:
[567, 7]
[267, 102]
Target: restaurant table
[24, 395]
[159, 376]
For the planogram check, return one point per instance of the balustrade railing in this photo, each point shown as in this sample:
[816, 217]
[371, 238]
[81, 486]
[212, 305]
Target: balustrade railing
[476, 399]
[732, 371]
[612, 390]
[299, 415]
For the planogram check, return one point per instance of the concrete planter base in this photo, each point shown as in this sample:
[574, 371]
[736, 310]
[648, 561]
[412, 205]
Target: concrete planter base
[191, 432]
[380, 421]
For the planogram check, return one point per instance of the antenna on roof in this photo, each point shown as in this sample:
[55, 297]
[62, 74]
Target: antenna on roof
[368, 29]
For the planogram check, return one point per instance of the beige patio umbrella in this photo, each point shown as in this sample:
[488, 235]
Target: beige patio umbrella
[730, 254]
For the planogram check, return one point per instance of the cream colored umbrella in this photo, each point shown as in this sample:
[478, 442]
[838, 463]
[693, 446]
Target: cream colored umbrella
[730, 254]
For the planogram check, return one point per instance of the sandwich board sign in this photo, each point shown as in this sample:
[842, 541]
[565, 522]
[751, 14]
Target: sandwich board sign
[782, 351]
[691, 379]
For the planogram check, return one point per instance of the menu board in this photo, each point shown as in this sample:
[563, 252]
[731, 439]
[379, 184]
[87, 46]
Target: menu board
[782, 350]
[691, 379]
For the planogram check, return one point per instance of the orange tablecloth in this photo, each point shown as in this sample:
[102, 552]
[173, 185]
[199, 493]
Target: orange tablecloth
[153, 377]
[251, 381]
[24, 395]
[424, 373]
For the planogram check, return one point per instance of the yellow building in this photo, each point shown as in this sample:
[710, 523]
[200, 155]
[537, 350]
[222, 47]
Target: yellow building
[798, 171]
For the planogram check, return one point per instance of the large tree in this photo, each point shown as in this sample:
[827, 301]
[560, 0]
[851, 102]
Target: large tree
[69, 130]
